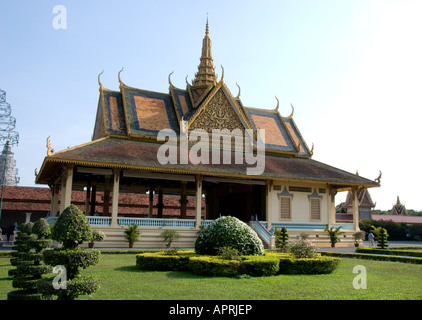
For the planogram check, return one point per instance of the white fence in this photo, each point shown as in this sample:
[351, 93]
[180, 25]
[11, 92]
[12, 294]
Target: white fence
[142, 222]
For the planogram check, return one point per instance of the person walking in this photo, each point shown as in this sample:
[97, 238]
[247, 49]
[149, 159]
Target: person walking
[371, 239]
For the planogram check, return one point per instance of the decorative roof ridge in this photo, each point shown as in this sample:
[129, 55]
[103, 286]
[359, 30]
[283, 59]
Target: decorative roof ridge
[240, 109]
[126, 87]
[205, 102]
[78, 146]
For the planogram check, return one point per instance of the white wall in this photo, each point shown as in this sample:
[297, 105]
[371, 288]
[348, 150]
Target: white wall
[300, 204]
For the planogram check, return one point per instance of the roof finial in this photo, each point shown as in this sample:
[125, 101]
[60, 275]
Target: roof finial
[171, 85]
[207, 30]
[206, 73]
[118, 76]
[238, 95]
[99, 79]
[293, 111]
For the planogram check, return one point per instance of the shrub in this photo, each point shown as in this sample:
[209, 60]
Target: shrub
[257, 266]
[228, 231]
[170, 236]
[29, 269]
[214, 266]
[98, 235]
[302, 248]
[267, 265]
[229, 253]
[163, 262]
[72, 259]
[321, 265]
[71, 228]
[382, 238]
[41, 228]
[281, 238]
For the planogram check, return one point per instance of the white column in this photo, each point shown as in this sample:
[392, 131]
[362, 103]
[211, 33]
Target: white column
[28, 217]
[332, 217]
[268, 206]
[54, 200]
[66, 196]
[198, 201]
[355, 206]
[115, 200]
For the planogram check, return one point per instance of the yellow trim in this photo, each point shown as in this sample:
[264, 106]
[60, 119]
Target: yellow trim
[203, 95]
[79, 146]
[203, 173]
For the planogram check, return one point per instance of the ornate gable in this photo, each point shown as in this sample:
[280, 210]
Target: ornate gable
[217, 113]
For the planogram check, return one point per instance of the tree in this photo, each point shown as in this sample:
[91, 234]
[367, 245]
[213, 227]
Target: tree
[281, 238]
[382, 238]
[30, 241]
[71, 229]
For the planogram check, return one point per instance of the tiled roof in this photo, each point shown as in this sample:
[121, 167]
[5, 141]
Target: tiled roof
[38, 199]
[281, 134]
[147, 112]
[132, 154]
[398, 218]
[142, 114]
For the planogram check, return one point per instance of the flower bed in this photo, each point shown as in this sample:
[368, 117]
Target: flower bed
[267, 265]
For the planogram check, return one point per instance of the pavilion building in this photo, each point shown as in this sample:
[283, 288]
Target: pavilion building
[260, 169]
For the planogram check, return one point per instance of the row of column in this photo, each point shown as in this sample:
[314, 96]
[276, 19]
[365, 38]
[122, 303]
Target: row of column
[355, 208]
[66, 196]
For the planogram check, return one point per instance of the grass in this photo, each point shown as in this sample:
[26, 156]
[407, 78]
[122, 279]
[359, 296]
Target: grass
[121, 280]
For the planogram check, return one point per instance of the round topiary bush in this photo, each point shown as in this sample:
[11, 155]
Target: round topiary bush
[71, 228]
[228, 231]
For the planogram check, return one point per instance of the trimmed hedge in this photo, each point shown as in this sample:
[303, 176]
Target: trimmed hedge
[163, 262]
[321, 265]
[268, 265]
[214, 266]
[390, 251]
[368, 256]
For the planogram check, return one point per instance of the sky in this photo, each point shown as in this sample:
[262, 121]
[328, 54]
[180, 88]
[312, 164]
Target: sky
[351, 69]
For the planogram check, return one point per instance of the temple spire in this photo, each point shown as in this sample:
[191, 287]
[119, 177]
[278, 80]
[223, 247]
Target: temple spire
[8, 171]
[206, 73]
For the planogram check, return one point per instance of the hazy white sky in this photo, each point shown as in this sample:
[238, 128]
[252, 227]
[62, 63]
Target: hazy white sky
[352, 70]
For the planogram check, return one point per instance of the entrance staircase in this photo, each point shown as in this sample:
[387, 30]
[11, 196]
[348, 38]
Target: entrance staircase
[263, 233]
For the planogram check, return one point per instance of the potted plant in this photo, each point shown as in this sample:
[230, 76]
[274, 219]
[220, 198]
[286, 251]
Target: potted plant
[169, 237]
[97, 235]
[358, 236]
[132, 234]
[334, 234]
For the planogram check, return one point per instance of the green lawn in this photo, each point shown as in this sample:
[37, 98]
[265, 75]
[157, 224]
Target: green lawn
[121, 280]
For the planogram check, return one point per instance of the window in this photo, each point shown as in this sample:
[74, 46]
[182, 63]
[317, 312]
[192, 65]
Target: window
[285, 208]
[315, 209]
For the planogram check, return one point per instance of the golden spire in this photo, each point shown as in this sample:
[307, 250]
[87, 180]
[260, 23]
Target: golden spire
[206, 72]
